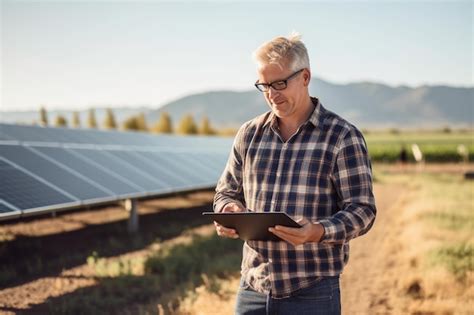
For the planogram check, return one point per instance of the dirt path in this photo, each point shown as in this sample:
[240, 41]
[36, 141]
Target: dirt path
[365, 276]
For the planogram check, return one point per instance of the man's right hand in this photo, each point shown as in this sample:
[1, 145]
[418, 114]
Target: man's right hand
[226, 232]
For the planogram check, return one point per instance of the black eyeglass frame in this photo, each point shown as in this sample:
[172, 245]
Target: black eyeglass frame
[265, 87]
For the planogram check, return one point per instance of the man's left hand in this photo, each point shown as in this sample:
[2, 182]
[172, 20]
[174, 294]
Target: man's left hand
[308, 232]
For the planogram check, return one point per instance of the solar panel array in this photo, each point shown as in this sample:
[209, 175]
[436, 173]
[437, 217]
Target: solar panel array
[45, 169]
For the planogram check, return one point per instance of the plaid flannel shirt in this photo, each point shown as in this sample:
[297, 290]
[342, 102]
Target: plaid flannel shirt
[322, 173]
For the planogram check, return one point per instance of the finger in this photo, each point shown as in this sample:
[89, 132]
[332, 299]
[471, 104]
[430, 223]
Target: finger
[288, 230]
[227, 230]
[223, 231]
[290, 239]
[229, 235]
[294, 239]
[228, 209]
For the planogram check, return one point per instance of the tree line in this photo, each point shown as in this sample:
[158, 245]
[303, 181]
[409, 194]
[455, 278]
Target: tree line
[186, 125]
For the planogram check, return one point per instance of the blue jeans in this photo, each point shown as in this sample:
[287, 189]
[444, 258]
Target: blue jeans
[322, 298]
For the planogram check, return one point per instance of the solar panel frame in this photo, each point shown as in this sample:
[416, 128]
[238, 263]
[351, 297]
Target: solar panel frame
[12, 213]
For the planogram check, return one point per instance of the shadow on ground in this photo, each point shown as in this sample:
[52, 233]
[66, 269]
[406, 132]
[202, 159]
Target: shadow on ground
[27, 258]
[169, 275]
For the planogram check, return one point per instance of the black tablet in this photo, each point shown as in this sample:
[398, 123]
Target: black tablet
[253, 225]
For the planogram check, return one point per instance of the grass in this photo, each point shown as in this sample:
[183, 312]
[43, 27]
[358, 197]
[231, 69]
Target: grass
[436, 146]
[434, 269]
[212, 255]
[454, 214]
[440, 207]
[113, 294]
[452, 197]
[179, 268]
[32, 256]
[445, 206]
[458, 259]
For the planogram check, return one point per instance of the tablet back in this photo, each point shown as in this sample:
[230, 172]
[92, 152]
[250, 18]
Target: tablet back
[253, 225]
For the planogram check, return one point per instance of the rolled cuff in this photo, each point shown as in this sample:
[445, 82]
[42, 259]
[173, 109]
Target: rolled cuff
[330, 231]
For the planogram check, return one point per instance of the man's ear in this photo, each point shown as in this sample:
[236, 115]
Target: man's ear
[306, 76]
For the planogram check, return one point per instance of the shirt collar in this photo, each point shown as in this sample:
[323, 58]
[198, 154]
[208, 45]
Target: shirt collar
[316, 117]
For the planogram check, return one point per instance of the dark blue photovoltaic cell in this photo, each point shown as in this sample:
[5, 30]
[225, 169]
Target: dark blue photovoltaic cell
[24, 191]
[3, 136]
[174, 163]
[67, 181]
[24, 133]
[188, 163]
[161, 172]
[166, 181]
[113, 164]
[97, 174]
[212, 168]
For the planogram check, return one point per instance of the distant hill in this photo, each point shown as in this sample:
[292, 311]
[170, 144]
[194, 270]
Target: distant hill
[366, 104]
[223, 108]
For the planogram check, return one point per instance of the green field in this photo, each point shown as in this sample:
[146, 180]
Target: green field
[439, 146]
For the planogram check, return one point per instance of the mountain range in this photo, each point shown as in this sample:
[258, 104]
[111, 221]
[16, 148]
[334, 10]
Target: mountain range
[369, 105]
[366, 104]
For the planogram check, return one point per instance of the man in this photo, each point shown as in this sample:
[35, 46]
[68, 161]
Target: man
[304, 160]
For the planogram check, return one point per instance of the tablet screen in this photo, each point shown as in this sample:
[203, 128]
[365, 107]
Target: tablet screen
[253, 225]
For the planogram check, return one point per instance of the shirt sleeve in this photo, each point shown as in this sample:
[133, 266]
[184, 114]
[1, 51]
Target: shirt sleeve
[230, 185]
[352, 178]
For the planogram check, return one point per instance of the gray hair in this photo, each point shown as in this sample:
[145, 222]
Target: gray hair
[281, 50]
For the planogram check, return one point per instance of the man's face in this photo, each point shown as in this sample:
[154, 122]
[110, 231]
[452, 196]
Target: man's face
[284, 103]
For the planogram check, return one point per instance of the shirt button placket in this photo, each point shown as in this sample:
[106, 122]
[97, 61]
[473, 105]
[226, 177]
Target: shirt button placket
[278, 176]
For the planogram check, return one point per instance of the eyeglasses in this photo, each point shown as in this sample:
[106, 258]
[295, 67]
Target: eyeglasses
[276, 85]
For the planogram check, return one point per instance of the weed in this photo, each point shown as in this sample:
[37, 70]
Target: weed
[211, 255]
[458, 259]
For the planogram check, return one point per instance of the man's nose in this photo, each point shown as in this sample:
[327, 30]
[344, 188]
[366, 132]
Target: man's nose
[272, 93]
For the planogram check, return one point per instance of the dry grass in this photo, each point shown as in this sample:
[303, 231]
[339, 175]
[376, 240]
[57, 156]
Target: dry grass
[439, 218]
[397, 268]
[417, 259]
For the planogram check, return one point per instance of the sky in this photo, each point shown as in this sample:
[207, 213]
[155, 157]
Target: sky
[82, 54]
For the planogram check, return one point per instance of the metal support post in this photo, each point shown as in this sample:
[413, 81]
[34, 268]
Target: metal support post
[131, 208]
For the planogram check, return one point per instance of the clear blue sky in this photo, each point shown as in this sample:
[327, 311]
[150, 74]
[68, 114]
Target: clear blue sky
[78, 54]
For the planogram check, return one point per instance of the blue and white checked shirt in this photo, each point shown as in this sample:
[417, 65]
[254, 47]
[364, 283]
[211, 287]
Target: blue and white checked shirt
[321, 173]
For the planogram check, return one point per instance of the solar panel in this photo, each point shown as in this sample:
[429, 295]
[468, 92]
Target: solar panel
[101, 137]
[26, 192]
[113, 164]
[117, 185]
[64, 179]
[159, 170]
[187, 166]
[48, 169]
